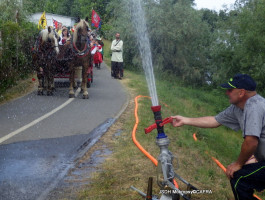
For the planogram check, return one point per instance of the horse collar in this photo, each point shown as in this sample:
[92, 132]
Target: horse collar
[82, 53]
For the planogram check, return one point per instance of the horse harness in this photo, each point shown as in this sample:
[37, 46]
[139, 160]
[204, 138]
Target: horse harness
[86, 49]
[43, 51]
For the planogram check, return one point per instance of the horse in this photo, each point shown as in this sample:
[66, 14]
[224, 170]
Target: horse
[44, 59]
[81, 56]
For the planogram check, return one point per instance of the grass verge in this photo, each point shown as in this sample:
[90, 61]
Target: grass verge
[20, 89]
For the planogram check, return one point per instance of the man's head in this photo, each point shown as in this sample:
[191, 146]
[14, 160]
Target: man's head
[117, 35]
[239, 89]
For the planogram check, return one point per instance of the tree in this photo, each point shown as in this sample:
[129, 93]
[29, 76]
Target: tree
[211, 17]
[241, 44]
[16, 40]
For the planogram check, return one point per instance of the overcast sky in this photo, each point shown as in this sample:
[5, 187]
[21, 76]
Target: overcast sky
[213, 4]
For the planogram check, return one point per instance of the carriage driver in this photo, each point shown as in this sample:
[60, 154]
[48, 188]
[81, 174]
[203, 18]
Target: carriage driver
[246, 112]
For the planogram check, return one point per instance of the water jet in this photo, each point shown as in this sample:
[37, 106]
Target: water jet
[165, 169]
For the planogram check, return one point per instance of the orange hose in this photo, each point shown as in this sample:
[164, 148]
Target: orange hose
[134, 131]
[219, 164]
[194, 136]
[175, 183]
[256, 197]
[134, 137]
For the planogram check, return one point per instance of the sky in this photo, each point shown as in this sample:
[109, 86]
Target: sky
[213, 4]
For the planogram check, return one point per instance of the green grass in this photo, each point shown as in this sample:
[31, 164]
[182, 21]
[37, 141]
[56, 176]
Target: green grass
[21, 88]
[128, 166]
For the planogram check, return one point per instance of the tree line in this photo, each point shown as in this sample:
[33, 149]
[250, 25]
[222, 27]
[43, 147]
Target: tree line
[200, 48]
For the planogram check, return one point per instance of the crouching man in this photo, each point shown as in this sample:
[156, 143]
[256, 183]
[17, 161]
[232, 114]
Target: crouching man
[246, 112]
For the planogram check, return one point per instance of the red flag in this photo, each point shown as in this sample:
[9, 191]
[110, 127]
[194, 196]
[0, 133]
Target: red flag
[95, 19]
[55, 23]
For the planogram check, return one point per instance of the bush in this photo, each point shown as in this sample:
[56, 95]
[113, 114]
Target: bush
[16, 42]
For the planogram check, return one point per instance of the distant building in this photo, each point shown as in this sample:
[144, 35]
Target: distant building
[65, 20]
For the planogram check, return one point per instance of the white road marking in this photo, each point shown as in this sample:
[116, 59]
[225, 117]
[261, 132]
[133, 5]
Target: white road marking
[8, 136]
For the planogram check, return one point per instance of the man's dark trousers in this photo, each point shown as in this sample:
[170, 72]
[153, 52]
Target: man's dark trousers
[250, 177]
[116, 69]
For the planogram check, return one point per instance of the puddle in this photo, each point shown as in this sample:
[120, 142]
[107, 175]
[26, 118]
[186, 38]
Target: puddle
[84, 169]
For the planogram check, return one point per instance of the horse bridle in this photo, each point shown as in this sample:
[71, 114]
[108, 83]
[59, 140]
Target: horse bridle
[50, 48]
[85, 51]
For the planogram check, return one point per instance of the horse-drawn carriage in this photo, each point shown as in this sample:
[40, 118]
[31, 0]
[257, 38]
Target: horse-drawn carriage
[51, 62]
[61, 77]
[62, 74]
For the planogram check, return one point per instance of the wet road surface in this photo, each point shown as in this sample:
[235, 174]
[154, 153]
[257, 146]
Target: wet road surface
[33, 161]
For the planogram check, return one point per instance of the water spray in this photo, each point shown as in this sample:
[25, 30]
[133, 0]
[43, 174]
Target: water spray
[165, 169]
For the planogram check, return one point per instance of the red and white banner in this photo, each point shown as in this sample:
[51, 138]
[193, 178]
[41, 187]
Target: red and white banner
[55, 23]
[95, 19]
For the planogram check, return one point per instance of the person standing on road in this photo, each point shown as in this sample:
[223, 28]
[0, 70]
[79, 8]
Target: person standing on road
[116, 57]
[246, 112]
[101, 43]
[97, 56]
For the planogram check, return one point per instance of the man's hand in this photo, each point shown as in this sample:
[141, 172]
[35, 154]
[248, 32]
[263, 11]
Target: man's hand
[177, 120]
[231, 169]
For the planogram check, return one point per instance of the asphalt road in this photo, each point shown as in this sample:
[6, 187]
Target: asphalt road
[40, 141]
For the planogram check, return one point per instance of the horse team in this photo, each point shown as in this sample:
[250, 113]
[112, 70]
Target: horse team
[46, 56]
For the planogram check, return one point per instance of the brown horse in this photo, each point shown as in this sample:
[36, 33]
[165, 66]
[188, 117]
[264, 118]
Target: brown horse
[44, 59]
[81, 56]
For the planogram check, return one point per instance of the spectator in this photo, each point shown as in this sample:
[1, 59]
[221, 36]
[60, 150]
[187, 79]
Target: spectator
[116, 57]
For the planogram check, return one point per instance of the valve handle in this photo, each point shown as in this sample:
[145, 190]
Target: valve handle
[154, 126]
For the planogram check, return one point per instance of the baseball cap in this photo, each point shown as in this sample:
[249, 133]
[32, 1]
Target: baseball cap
[240, 81]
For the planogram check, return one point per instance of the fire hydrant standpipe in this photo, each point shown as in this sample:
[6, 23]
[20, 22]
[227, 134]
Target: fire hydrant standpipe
[165, 158]
[163, 142]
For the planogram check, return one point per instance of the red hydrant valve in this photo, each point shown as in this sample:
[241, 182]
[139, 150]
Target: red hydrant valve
[154, 126]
